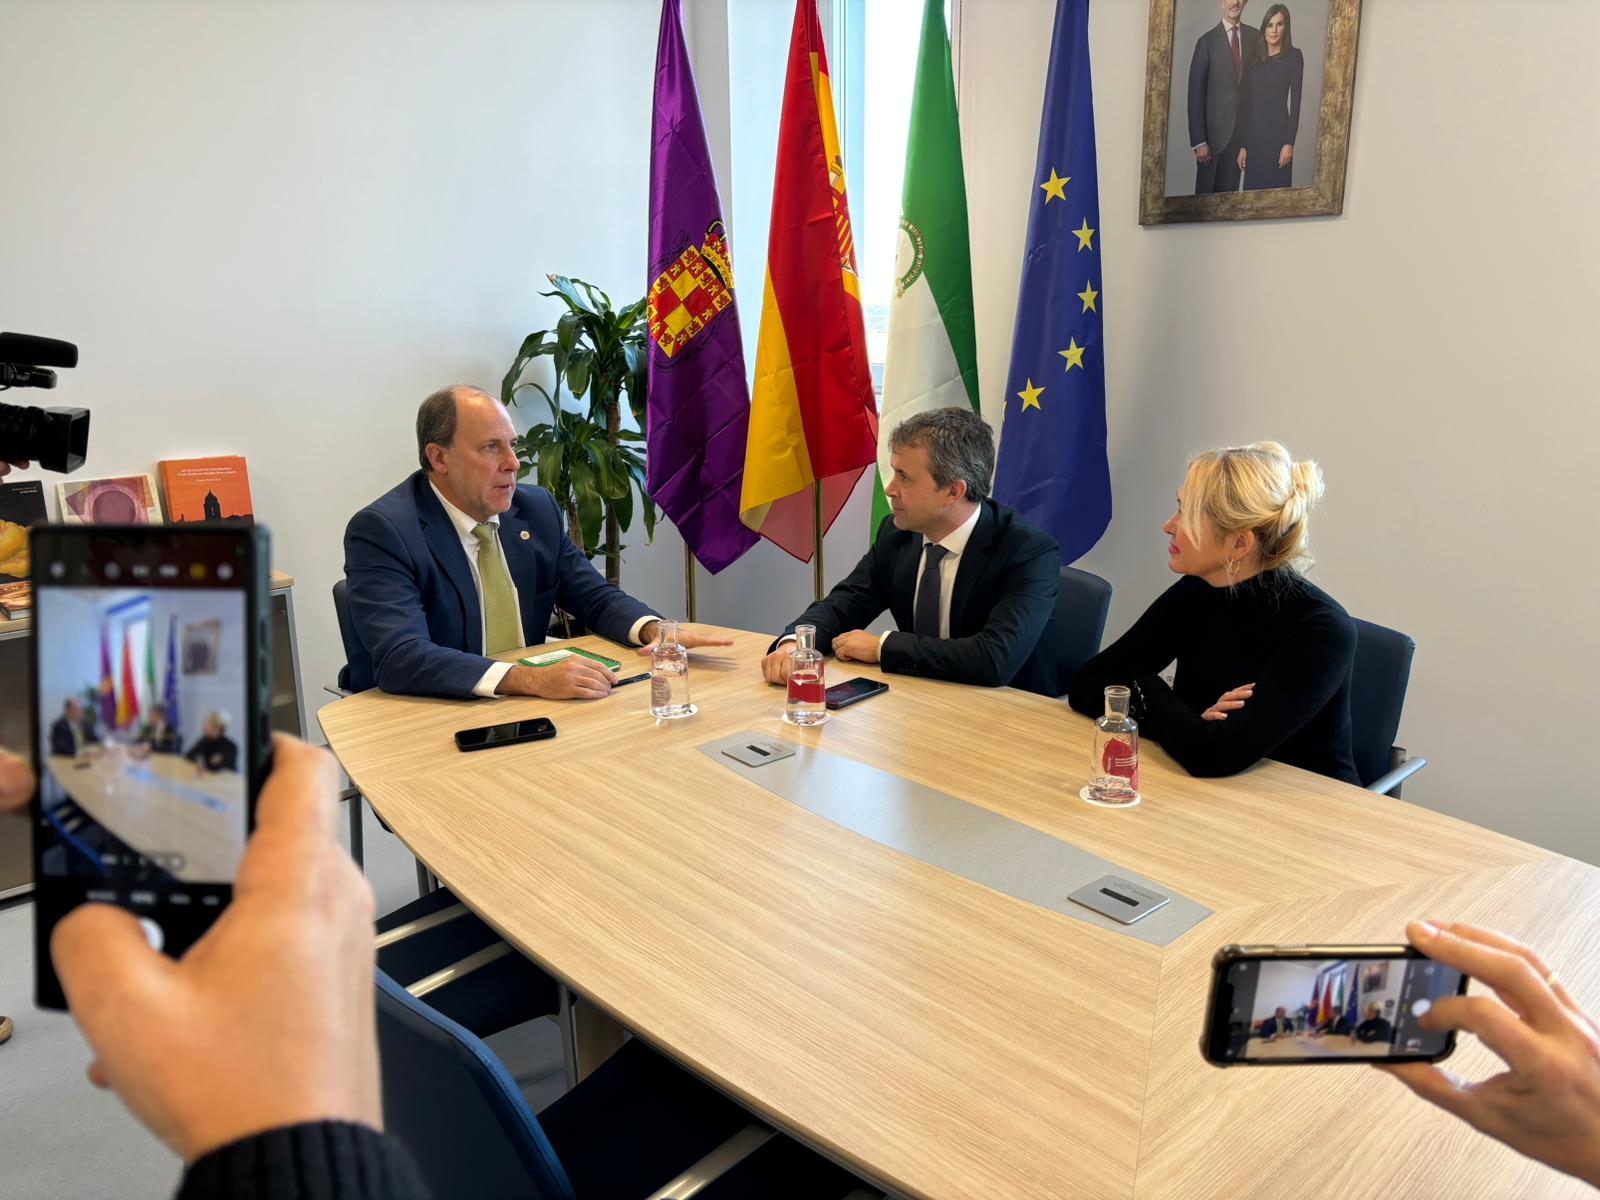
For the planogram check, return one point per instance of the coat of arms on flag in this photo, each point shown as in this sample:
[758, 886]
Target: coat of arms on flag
[693, 291]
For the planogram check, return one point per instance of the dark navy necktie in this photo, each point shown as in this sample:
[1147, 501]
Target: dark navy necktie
[925, 620]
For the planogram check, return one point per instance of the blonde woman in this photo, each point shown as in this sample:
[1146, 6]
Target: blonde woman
[1263, 655]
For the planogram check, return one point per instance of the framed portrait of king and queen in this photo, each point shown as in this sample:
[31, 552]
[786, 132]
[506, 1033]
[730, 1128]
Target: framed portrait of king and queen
[1247, 109]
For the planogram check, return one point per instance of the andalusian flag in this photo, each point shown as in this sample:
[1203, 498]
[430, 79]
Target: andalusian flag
[933, 352]
[812, 416]
[149, 670]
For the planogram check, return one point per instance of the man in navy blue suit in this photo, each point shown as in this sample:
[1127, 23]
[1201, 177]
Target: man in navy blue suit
[461, 563]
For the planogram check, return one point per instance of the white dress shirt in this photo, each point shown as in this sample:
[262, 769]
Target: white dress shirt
[464, 524]
[954, 543]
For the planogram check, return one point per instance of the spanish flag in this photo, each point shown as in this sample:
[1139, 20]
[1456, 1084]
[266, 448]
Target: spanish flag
[128, 696]
[812, 413]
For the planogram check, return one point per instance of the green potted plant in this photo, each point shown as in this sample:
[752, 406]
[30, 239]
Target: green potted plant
[582, 455]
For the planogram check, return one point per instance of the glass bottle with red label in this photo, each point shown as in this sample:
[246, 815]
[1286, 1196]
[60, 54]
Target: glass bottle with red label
[1114, 761]
[807, 699]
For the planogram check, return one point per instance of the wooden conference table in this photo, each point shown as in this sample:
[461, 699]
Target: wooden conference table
[190, 821]
[944, 1039]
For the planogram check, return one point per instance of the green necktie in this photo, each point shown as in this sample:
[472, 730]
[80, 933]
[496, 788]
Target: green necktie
[499, 605]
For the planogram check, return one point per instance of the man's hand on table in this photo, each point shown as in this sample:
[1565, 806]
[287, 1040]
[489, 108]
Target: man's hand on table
[689, 638]
[573, 678]
[857, 645]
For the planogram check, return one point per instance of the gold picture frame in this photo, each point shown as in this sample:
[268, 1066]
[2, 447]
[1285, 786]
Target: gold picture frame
[1325, 194]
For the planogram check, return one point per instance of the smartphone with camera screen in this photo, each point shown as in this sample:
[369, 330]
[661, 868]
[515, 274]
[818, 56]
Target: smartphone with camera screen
[151, 668]
[1294, 1005]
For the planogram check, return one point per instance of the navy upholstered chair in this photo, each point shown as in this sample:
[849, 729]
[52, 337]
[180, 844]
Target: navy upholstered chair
[637, 1127]
[440, 950]
[1378, 684]
[1083, 600]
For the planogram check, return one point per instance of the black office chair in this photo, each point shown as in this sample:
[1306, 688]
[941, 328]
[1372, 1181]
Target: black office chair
[637, 1127]
[352, 795]
[1377, 696]
[1071, 638]
[468, 972]
[1083, 600]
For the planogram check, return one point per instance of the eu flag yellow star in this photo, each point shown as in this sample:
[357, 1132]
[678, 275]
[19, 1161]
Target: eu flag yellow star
[1073, 353]
[1055, 186]
[1088, 296]
[1085, 235]
[1030, 396]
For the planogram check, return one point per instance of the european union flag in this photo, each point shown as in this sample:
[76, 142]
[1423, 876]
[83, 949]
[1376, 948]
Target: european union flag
[1052, 464]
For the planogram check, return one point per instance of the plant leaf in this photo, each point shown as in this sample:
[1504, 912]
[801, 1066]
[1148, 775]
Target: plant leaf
[578, 370]
[564, 289]
[533, 346]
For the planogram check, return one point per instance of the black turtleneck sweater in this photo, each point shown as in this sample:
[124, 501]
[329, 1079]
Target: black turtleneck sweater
[319, 1160]
[1276, 630]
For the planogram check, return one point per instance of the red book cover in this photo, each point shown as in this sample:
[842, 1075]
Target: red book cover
[206, 489]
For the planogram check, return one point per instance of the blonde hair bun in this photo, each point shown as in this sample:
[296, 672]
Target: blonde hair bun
[1258, 488]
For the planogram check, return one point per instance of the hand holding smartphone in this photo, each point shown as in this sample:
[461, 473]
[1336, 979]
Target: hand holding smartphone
[1281, 1005]
[151, 656]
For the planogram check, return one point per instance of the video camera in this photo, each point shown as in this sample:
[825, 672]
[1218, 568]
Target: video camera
[55, 438]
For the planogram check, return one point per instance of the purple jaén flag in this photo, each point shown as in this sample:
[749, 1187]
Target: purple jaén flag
[699, 398]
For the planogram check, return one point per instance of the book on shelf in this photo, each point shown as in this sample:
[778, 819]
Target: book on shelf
[21, 505]
[116, 500]
[16, 599]
[206, 489]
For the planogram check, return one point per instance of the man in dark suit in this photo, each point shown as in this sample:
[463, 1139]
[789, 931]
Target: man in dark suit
[1276, 1025]
[73, 730]
[461, 563]
[972, 585]
[1221, 57]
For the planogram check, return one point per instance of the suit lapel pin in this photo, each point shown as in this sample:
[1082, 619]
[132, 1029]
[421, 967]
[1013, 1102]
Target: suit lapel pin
[524, 535]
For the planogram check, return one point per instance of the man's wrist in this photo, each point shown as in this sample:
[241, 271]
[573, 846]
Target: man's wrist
[520, 681]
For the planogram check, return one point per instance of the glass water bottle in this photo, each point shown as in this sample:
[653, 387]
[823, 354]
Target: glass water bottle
[807, 701]
[1114, 762]
[669, 676]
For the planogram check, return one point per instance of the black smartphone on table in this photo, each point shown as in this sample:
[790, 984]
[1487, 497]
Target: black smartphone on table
[1293, 1005]
[151, 676]
[511, 733]
[853, 691]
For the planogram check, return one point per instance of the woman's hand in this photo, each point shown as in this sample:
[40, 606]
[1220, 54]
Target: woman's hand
[1285, 156]
[1241, 158]
[1547, 1105]
[1229, 701]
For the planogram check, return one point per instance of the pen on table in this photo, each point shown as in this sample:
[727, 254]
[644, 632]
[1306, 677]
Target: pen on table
[641, 677]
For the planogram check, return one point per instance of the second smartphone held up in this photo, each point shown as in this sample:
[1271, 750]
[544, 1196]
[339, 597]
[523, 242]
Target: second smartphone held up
[1280, 1005]
[151, 670]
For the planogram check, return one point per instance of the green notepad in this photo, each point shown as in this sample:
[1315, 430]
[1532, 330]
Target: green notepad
[551, 657]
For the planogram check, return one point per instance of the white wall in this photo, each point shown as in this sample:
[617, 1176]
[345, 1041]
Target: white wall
[1431, 347]
[274, 228]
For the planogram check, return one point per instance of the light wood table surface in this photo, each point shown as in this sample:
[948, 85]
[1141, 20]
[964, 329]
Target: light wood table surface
[160, 806]
[942, 1038]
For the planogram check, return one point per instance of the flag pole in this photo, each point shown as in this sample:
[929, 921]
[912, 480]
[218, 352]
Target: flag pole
[816, 536]
[688, 582]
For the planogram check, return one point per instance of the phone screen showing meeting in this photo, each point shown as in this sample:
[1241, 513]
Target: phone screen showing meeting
[142, 688]
[1311, 1010]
